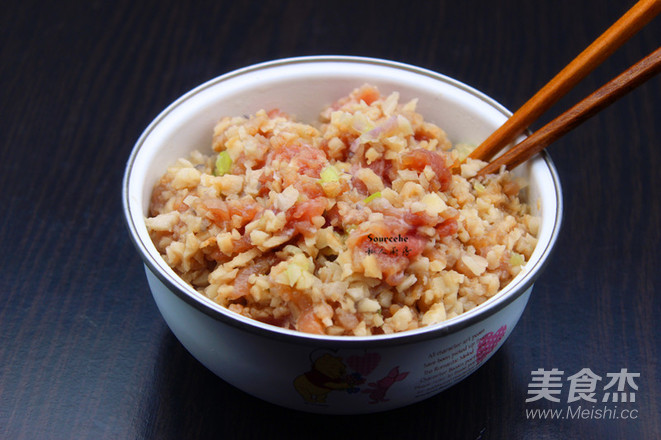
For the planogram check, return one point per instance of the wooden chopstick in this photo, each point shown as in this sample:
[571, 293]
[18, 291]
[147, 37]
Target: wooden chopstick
[630, 23]
[604, 96]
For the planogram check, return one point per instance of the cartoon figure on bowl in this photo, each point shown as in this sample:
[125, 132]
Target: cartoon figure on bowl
[377, 392]
[328, 373]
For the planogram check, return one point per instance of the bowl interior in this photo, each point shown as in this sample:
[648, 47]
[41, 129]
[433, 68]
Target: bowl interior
[303, 87]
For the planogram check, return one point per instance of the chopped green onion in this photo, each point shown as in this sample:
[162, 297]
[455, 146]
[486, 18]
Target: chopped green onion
[223, 163]
[372, 197]
[516, 259]
[479, 188]
[329, 174]
[294, 272]
[463, 150]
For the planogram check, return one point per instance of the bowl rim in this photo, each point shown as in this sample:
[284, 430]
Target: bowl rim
[222, 314]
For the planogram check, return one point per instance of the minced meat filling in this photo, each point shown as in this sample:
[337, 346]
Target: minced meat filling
[352, 226]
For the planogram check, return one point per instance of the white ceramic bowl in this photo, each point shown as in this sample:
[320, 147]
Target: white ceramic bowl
[327, 374]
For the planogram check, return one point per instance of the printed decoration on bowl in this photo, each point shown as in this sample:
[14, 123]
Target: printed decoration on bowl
[488, 343]
[364, 364]
[330, 372]
[377, 391]
[327, 373]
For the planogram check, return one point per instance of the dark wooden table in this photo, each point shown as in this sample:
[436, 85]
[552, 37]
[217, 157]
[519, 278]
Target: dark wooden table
[83, 350]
